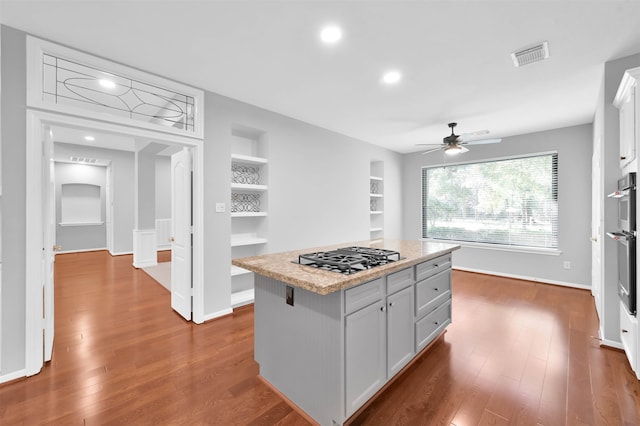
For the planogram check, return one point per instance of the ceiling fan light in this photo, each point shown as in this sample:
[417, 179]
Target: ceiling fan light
[453, 150]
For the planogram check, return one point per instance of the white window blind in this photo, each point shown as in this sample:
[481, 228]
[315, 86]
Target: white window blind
[510, 202]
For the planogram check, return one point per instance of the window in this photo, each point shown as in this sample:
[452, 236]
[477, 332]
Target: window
[511, 202]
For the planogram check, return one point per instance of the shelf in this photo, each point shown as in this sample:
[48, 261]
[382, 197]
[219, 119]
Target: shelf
[376, 229]
[81, 223]
[248, 214]
[248, 159]
[242, 298]
[236, 270]
[376, 178]
[247, 241]
[245, 187]
[376, 212]
[375, 195]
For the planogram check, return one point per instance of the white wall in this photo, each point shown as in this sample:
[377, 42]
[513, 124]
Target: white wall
[122, 164]
[84, 237]
[574, 207]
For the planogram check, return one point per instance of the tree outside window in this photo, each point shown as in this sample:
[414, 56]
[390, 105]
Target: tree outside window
[508, 202]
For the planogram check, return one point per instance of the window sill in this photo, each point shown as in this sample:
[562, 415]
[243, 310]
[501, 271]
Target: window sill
[500, 247]
[80, 223]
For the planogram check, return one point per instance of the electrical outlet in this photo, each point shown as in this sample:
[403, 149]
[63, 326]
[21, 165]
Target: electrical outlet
[220, 208]
[567, 264]
[289, 295]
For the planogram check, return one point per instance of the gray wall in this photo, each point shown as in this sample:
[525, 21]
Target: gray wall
[318, 190]
[13, 140]
[163, 187]
[318, 184]
[574, 146]
[84, 237]
[122, 167]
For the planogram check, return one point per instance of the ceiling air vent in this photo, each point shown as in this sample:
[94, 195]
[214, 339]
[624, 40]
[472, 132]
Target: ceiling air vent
[82, 160]
[531, 54]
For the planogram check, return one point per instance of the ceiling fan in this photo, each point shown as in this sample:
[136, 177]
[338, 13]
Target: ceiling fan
[454, 144]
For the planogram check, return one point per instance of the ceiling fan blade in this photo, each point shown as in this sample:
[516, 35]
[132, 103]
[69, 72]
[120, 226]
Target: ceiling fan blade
[466, 136]
[482, 142]
[431, 150]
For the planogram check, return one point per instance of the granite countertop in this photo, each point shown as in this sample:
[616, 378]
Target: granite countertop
[281, 266]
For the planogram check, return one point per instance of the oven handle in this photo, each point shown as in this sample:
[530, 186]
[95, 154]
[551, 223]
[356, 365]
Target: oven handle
[620, 236]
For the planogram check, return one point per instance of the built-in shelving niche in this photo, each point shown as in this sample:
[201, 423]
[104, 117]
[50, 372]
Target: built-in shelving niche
[376, 200]
[248, 207]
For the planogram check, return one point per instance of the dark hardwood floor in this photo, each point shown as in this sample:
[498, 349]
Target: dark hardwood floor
[517, 352]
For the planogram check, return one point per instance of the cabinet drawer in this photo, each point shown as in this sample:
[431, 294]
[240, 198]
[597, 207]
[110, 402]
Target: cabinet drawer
[432, 292]
[431, 325]
[629, 336]
[363, 295]
[399, 280]
[432, 267]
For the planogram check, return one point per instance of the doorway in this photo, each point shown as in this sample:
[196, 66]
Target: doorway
[39, 155]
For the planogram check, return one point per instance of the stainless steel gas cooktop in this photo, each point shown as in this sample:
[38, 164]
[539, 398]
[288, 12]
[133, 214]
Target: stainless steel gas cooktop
[349, 260]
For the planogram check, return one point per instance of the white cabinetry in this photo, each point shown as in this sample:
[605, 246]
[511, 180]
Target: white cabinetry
[376, 200]
[627, 100]
[629, 337]
[248, 209]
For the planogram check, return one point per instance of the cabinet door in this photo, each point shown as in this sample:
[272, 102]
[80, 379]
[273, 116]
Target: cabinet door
[365, 346]
[400, 340]
[628, 128]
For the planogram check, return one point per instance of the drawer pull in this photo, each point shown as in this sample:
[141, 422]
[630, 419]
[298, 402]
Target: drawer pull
[382, 309]
[390, 304]
[624, 331]
[435, 289]
[436, 322]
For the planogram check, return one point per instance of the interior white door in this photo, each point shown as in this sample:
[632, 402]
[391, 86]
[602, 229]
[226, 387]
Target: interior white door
[49, 243]
[181, 241]
[597, 195]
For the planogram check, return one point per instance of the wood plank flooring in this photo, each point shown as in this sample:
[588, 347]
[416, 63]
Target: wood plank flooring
[517, 352]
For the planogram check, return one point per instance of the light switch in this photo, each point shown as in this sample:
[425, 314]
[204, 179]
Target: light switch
[220, 208]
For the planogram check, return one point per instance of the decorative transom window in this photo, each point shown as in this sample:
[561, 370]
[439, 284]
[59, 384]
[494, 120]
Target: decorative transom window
[512, 202]
[66, 80]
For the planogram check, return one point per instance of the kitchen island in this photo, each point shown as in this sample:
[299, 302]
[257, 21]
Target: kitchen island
[329, 341]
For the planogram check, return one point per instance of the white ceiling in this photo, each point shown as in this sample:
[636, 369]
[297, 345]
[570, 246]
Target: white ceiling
[454, 56]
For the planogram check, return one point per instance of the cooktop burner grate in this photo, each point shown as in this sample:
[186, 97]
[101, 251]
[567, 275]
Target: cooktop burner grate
[349, 260]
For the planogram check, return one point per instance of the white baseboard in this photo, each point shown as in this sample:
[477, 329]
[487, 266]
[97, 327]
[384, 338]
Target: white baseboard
[524, 277]
[13, 376]
[120, 253]
[611, 343]
[164, 247]
[140, 265]
[218, 314]
[80, 251]
[242, 298]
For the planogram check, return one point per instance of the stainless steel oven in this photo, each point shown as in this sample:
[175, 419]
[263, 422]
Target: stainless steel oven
[626, 196]
[626, 269]
[625, 238]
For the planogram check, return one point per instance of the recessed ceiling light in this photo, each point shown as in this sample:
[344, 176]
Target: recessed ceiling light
[331, 34]
[391, 77]
[107, 84]
[89, 138]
